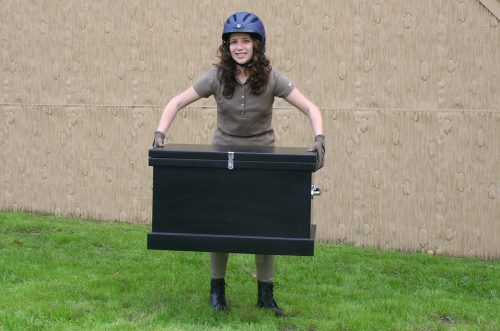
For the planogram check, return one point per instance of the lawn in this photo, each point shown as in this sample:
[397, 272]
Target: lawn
[60, 273]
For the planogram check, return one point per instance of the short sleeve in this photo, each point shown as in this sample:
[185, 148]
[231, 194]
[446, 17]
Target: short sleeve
[207, 84]
[283, 86]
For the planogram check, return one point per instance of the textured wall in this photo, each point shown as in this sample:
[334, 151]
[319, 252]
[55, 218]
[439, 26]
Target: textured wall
[409, 90]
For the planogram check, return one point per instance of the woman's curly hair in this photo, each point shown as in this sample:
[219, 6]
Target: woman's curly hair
[259, 70]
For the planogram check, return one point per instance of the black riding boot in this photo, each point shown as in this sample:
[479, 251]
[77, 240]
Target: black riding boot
[217, 294]
[266, 299]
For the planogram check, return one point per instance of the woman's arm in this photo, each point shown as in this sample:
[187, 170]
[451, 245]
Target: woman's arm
[174, 105]
[298, 100]
[167, 117]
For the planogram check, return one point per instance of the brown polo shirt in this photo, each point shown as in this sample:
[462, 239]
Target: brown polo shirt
[245, 119]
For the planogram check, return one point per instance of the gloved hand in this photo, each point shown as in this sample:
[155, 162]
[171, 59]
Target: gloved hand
[319, 148]
[158, 141]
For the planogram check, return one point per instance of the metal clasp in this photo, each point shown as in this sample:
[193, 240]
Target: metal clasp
[230, 160]
[315, 191]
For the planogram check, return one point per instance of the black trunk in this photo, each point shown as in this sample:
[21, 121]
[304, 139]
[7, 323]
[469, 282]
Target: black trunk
[232, 199]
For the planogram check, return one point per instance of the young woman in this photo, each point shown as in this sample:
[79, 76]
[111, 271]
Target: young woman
[244, 86]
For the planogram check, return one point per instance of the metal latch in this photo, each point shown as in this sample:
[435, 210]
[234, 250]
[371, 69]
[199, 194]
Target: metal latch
[230, 160]
[315, 191]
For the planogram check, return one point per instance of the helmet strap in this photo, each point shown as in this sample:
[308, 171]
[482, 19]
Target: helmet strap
[249, 64]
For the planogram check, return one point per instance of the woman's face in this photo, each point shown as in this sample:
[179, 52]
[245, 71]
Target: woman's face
[241, 47]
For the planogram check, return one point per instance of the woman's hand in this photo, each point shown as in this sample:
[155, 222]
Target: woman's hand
[319, 148]
[158, 140]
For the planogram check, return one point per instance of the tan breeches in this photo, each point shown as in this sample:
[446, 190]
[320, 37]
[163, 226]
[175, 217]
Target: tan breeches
[264, 265]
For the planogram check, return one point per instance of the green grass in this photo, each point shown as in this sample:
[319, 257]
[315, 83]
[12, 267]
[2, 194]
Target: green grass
[72, 274]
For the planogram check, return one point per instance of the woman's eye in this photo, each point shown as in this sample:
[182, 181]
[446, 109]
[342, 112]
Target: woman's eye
[243, 41]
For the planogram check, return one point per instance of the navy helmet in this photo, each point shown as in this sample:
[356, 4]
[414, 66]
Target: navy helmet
[244, 22]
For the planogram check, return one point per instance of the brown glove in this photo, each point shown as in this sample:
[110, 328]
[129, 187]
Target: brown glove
[319, 148]
[158, 141]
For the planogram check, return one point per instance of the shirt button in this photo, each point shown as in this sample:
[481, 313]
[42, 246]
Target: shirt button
[243, 97]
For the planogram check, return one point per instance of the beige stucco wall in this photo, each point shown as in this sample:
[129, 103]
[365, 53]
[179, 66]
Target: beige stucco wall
[410, 93]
